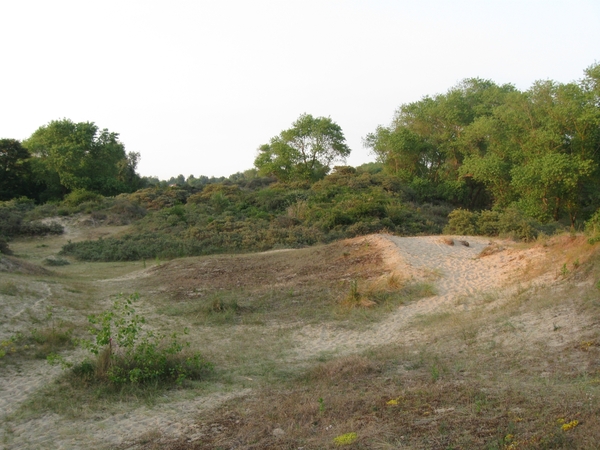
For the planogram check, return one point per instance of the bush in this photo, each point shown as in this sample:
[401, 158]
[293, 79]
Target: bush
[124, 211]
[514, 223]
[462, 221]
[488, 223]
[13, 222]
[125, 352]
[592, 227]
[79, 196]
[4, 249]
[510, 222]
[56, 261]
[39, 228]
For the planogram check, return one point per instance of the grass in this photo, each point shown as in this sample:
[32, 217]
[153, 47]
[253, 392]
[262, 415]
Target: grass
[9, 288]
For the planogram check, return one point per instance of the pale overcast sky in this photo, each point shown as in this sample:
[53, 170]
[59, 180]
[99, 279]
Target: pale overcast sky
[197, 86]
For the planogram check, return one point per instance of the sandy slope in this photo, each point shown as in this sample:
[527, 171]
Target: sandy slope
[460, 277]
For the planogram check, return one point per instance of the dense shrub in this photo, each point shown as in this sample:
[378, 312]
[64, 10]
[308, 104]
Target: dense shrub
[462, 221]
[509, 222]
[4, 248]
[592, 227]
[124, 211]
[79, 196]
[227, 218]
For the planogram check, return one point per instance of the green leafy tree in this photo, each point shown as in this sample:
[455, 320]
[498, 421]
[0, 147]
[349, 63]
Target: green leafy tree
[81, 156]
[304, 152]
[428, 140]
[15, 171]
[481, 145]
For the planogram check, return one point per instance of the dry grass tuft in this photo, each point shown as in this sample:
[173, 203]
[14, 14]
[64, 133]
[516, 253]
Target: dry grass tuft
[344, 369]
[491, 249]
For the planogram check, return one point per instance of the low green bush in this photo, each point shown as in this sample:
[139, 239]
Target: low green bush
[509, 222]
[592, 228]
[4, 248]
[56, 261]
[36, 228]
[127, 352]
[79, 196]
[462, 221]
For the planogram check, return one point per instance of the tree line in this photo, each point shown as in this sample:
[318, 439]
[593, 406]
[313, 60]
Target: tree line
[480, 146]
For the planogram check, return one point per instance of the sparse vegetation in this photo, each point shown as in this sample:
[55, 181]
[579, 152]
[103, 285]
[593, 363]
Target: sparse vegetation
[127, 352]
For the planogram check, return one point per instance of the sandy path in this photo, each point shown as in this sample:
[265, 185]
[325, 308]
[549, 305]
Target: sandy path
[461, 278]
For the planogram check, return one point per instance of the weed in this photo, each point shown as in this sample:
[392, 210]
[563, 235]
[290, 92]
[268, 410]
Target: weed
[354, 295]
[321, 405]
[435, 373]
[345, 439]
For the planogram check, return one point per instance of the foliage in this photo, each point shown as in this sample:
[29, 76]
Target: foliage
[509, 222]
[13, 220]
[303, 152]
[592, 228]
[70, 156]
[79, 196]
[15, 171]
[127, 352]
[461, 221]
[228, 218]
[481, 145]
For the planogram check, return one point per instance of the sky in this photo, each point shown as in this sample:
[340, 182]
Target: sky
[197, 86]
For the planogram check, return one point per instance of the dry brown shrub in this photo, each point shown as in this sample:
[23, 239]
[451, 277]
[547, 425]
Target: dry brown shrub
[447, 241]
[491, 250]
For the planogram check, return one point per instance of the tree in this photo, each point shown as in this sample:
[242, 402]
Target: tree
[14, 169]
[304, 152]
[482, 145]
[428, 141]
[81, 156]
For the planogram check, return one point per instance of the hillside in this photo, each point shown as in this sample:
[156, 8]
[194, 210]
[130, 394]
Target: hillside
[417, 342]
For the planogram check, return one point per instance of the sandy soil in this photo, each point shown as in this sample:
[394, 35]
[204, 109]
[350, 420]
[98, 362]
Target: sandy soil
[459, 275]
[461, 278]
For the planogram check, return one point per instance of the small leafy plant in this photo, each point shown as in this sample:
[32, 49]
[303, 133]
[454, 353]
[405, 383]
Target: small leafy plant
[127, 352]
[345, 439]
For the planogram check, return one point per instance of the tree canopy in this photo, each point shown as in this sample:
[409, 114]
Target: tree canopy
[70, 156]
[14, 169]
[482, 145]
[304, 152]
